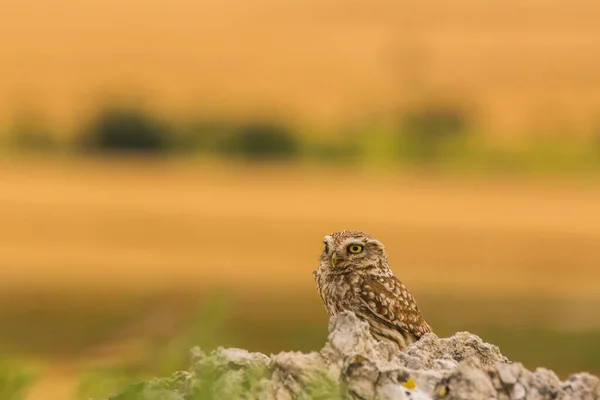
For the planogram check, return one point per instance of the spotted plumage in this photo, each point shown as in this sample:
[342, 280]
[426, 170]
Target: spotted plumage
[354, 275]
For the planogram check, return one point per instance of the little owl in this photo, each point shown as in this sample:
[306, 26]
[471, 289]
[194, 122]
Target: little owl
[354, 275]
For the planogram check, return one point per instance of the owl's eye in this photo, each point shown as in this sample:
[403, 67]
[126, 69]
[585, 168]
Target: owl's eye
[355, 248]
[326, 248]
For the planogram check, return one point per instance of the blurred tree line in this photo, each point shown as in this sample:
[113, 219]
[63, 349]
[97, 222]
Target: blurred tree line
[427, 135]
[422, 133]
[122, 130]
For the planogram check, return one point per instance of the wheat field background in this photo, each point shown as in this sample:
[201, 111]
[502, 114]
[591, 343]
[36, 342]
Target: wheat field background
[522, 66]
[169, 222]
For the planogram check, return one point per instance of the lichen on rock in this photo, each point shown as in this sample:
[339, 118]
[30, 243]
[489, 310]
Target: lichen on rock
[353, 365]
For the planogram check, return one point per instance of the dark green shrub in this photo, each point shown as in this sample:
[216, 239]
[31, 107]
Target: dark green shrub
[261, 141]
[120, 129]
[424, 132]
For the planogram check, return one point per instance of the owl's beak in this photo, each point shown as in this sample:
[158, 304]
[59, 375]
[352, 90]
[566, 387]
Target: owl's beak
[333, 259]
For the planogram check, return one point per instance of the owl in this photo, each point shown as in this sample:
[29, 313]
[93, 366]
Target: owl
[354, 275]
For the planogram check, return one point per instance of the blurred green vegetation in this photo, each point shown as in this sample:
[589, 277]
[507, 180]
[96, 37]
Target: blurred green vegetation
[431, 136]
[260, 140]
[15, 380]
[426, 133]
[269, 324]
[30, 133]
[161, 356]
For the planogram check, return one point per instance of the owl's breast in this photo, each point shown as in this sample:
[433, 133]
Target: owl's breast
[336, 291]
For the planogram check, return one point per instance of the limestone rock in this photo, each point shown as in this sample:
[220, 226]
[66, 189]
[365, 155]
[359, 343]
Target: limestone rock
[352, 365]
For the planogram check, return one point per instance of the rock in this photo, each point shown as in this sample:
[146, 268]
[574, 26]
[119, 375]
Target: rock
[461, 346]
[581, 386]
[508, 373]
[352, 365]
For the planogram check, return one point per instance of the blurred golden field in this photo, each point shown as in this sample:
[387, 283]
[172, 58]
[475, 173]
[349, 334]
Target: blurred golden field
[525, 67]
[170, 223]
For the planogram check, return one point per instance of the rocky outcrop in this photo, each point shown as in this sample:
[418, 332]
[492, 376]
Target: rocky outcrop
[353, 365]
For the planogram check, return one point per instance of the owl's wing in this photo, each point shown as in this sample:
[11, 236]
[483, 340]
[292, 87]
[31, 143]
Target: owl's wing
[389, 300]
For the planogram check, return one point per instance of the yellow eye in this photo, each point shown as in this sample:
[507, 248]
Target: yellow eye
[355, 248]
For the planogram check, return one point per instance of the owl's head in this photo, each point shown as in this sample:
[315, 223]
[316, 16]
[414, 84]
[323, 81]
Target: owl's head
[352, 250]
